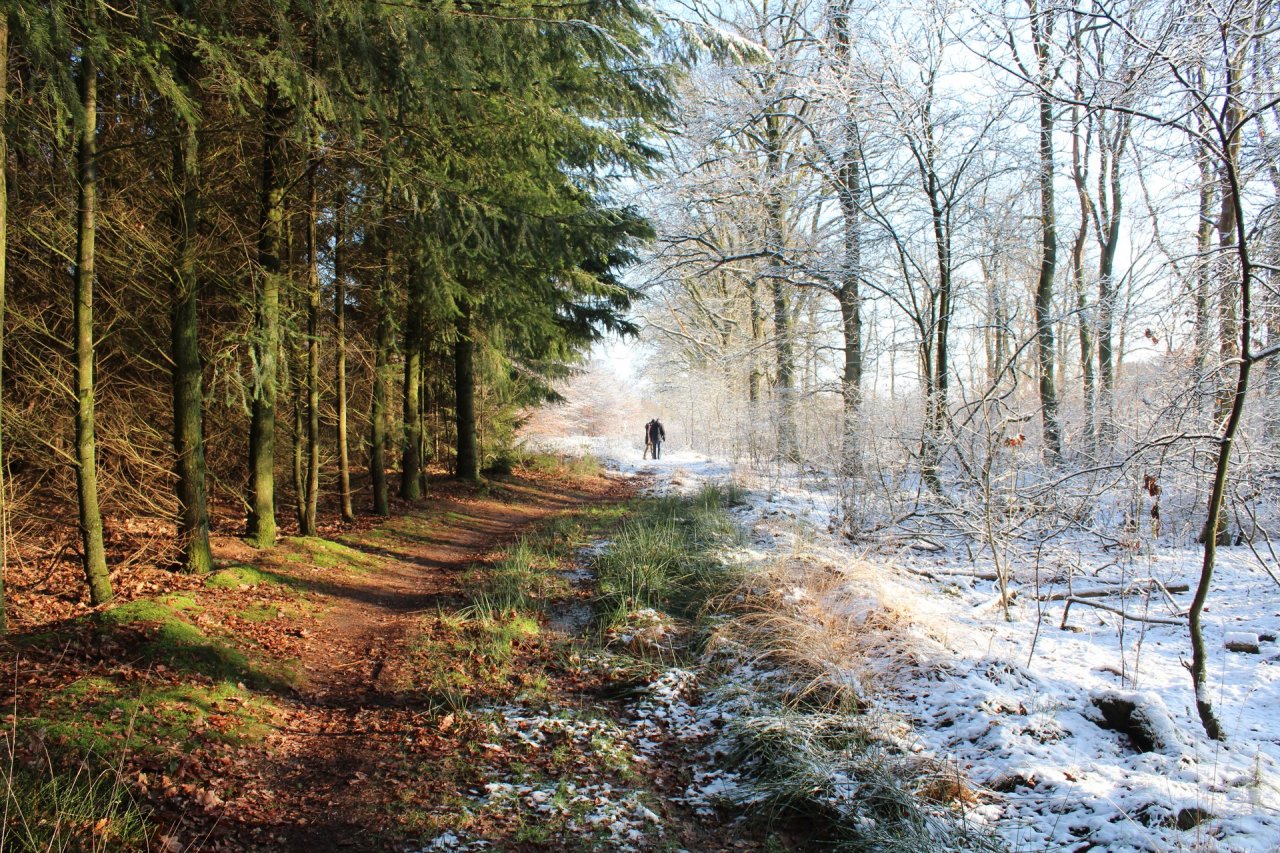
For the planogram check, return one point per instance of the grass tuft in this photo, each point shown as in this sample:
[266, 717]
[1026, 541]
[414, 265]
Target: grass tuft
[853, 775]
[81, 808]
[807, 741]
[664, 559]
[524, 581]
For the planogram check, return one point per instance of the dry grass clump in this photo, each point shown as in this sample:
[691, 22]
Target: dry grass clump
[827, 627]
[807, 649]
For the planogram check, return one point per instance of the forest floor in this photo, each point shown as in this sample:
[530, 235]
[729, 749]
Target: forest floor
[355, 693]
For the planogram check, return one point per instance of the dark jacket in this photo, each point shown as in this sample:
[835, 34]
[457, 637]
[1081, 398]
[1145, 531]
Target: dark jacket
[653, 432]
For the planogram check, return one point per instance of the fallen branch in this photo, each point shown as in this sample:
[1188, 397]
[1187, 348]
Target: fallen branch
[933, 576]
[1103, 592]
[1154, 620]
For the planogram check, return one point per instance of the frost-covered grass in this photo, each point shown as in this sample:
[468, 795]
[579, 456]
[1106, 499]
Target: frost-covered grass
[802, 667]
[905, 630]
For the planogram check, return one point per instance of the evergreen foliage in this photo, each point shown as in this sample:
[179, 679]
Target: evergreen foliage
[454, 164]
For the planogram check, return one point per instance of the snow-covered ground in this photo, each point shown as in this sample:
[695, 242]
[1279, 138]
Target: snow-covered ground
[1018, 705]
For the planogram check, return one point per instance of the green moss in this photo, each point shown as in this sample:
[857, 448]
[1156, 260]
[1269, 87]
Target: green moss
[181, 601]
[142, 610]
[88, 685]
[96, 718]
[178, 643]
[260, 613]
[235, 577]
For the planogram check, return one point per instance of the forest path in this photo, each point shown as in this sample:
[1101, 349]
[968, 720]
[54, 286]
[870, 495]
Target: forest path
[432, 681]
[343, 766]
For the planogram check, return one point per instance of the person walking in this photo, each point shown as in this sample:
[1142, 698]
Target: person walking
[654, 435]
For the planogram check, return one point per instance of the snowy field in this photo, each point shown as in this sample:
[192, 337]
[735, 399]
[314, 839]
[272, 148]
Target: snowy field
[1077, 738]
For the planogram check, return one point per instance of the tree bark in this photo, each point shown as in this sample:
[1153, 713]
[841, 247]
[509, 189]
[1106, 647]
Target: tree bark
[1112, 144]
[1204, 241]
[784, 383]
[4, 247]
[468, 465]
[266, 345]
[411, 439]
[1236, 270]
[1088, 381]
[1230, 282]
[340, 368]
[938, 405]
[378, 403]
[848, 294]
[1080, 174]
[1041, 25]
[312, 473]
[94, 552]
[755, 380]
[188, 369]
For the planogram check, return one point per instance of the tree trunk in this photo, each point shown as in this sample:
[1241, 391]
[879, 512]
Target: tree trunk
[94, 556]
[4, 246]
[848, 293]
[998, 337]
[266, 345]
[784, 382]
[1113, 142]
[851, 378]
[312, 474]
[1236, 291]
[1204, 243]
[1041, 27]
[1080, 174]
[340, 344]
[755, 380]
[296, 380]
[378, 403]
[1085, 339]
[411, 439]
[938, 406]
[188, 370]
[465, 390]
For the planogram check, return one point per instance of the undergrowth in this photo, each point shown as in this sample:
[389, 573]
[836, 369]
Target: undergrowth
[853, 775]
[664, 558]
[798, 667]
[83, 808]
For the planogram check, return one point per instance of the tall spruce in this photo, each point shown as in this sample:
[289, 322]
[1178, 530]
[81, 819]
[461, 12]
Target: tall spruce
[411, 442]
[188, 369]
[276, 115]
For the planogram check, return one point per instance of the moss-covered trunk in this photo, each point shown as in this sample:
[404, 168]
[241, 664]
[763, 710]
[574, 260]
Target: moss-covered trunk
[266, 344]
[188, 388]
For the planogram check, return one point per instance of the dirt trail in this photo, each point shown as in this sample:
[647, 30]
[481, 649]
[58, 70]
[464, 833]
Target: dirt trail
[335, 765]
